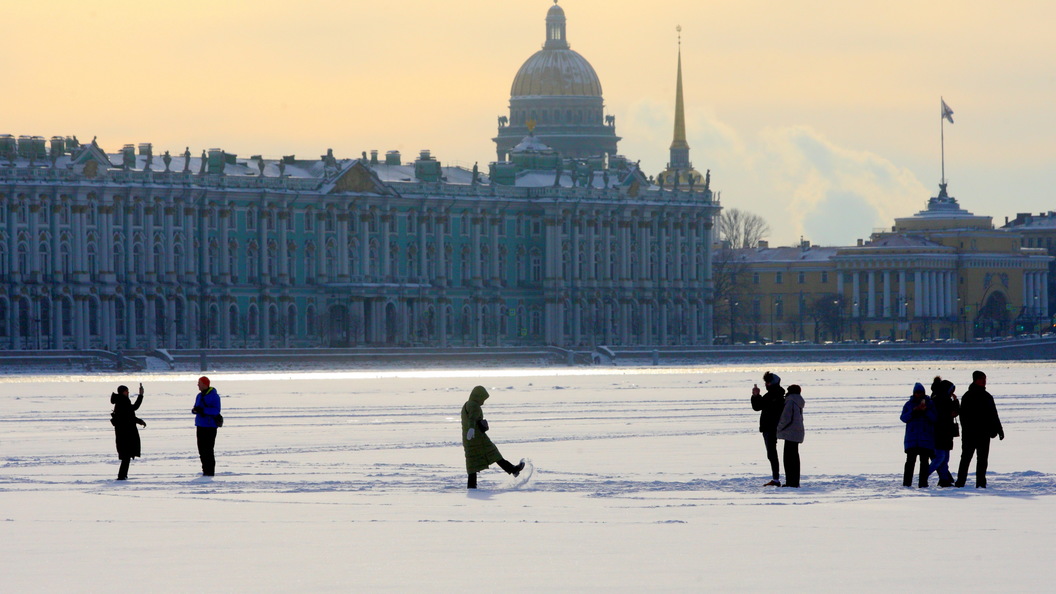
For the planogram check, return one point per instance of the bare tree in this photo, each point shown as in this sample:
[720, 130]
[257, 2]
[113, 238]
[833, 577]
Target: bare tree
[742, 229]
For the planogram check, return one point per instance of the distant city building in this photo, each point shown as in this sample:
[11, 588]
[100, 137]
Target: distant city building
[557, 95]
[942, 273]
[1038, 231]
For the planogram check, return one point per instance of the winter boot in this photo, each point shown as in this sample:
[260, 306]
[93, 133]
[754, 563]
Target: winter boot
[510, 468]
[472, 483]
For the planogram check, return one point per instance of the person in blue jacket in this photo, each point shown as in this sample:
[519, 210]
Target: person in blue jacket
[919, 415]
[206, 410]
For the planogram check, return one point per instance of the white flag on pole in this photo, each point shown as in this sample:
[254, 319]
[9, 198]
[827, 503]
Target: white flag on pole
[946, 111]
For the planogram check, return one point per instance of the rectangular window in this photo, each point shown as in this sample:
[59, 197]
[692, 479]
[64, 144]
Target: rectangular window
[778, 278]
[824, 277]
[802, 278]
[755, 278]
[251, 220]
[309, 221]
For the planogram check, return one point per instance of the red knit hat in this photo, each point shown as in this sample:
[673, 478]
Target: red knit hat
[204, 380]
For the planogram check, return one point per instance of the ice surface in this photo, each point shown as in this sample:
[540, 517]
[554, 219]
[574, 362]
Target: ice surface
[645, 480]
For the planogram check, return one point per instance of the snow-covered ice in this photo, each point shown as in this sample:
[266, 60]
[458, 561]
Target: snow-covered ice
[645, 480]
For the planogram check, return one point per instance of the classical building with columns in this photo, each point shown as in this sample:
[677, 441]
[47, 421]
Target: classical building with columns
[942, 273]
[132, 250]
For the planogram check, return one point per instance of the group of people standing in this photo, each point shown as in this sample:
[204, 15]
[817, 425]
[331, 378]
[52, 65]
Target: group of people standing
[932, 424]
[781, 417]
[207, 419]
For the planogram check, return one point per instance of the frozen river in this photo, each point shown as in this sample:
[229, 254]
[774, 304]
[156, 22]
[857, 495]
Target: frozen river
[646, 480]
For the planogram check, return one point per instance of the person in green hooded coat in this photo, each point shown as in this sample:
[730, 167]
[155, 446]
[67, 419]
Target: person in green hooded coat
[480, 451]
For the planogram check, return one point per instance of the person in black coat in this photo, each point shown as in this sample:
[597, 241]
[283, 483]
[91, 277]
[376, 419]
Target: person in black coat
[946, 408]
[771, 404]
[979, 424]
[124, 420]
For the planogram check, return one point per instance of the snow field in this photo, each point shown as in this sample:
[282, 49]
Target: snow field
[645, 480]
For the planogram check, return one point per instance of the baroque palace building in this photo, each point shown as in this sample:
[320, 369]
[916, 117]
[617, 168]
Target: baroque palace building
[942, 273]
[567, 245]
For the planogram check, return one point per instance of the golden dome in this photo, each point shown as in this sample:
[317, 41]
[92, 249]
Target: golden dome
[556, 72]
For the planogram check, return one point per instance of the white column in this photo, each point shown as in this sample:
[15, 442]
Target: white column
[870, 299]
[903, 293]
[856, 287]
[1044, 304]
[918, 293]
[887, 294]
[951, 293]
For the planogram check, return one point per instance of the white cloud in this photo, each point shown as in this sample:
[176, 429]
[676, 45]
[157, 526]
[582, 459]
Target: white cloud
[805, 185]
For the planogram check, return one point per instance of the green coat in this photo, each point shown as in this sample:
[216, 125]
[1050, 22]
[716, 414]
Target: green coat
[480, 452]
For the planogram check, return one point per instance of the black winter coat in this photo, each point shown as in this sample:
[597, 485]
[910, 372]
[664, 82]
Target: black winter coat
[945, 423]
[772, 404]
[124, 420]
[979, 418]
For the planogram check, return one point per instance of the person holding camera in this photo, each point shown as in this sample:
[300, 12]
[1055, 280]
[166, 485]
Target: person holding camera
[771, 404]
[124, 420]
[206, 414]
[919, 415]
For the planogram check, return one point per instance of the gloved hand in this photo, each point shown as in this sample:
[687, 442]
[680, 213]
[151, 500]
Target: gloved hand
[197, 410]
[483, 424]
[1001, 434]
[142, 423]
[470, 433]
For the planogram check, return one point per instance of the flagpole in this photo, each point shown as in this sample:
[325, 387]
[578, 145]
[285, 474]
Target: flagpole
[942, 141]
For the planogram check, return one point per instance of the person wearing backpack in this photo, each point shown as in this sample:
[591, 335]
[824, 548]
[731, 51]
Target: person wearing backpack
[124, 420]
[206, 419]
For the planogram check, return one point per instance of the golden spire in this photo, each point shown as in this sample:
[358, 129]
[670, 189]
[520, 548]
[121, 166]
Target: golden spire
[679, 141]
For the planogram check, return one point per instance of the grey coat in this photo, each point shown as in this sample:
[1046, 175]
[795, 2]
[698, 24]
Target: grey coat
[790, 425]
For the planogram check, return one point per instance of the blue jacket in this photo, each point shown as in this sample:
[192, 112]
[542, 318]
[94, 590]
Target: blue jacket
[920, 424]
[209, 401]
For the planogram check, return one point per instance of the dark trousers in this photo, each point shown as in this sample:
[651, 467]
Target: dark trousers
[122, 473]
[911, 458]
[206, 441]
[791, 463]
[980, 447]
[503, 464]
[770, 440]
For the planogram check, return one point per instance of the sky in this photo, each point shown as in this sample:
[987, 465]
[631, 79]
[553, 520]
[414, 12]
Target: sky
[821, 116]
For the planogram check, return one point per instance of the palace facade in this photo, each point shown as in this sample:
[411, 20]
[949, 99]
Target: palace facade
[131, 251]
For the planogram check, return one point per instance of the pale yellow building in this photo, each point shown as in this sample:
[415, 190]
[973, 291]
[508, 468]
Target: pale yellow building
[942, 273]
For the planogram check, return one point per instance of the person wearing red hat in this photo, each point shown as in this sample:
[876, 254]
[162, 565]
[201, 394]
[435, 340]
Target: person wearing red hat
[206, 416]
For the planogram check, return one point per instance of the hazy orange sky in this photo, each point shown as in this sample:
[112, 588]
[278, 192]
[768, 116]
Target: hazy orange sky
[823, 116]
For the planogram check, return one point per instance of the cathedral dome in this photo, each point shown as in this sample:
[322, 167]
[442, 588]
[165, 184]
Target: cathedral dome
[556, 72]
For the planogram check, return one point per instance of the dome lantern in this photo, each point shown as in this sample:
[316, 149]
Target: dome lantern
[555, 28]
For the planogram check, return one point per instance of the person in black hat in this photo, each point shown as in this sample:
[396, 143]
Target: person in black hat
[919, 415]
[124, 420]
[771, 404]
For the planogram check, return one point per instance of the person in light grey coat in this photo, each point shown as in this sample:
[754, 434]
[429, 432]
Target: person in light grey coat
[790, 428]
